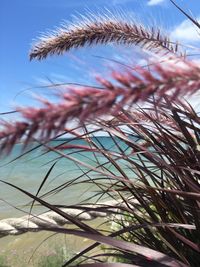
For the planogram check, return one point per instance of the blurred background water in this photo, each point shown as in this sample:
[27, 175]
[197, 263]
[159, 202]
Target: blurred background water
[29, 170]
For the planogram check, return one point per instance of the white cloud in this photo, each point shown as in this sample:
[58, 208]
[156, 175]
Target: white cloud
[186, 32]
[154, 2]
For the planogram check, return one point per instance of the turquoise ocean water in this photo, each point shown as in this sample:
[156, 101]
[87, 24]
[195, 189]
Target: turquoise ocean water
[29, 170]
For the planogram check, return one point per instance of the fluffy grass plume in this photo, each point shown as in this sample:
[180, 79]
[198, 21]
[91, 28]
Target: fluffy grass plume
[87, 103]
[157, 145]
[101, 30]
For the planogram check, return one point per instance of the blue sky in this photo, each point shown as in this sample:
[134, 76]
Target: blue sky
[21, 21]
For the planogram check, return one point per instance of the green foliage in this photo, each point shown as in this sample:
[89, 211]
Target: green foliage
[3, 261]
[55, 259]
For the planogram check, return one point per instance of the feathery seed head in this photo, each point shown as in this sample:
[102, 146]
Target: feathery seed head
[87, 103]
[101, 30]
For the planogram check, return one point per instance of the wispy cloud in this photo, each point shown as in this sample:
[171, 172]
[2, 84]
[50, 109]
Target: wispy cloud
[186, 32]
[154, 2]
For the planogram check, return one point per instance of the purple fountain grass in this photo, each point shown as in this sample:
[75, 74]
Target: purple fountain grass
[102, 30]
[88, 103]
[165, 216]
[156, 157]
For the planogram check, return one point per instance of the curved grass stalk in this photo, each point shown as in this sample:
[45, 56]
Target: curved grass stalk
[88, 103]
[102, 30]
